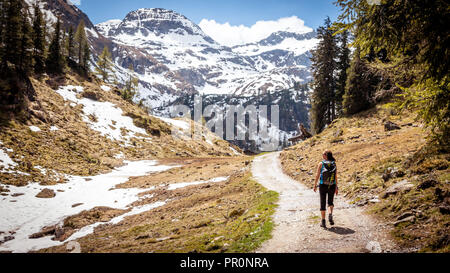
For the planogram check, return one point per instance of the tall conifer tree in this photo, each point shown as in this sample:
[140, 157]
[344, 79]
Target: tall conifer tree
[26, 45]
[13, 33]
[70, 43]
[323, 100]
[358, 90]
[104, 64]
[80, 38]
[55, 62]
[342, 66]
[38, 41]
[86, 57]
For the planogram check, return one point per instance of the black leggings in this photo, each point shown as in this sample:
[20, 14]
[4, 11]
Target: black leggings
[324, 190]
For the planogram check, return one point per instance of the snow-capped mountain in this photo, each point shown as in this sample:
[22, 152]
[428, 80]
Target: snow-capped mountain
[173, 56]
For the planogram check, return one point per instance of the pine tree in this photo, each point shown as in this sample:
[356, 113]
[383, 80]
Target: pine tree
[86, 57]
[13, 33]
[358, 88]
[104, 64]
[342, 66]
[55, 61]
[80, 38]
[26, 45]
[38, 41]
[414, 37]
[323, 98]
[70, 43]
[131, 85]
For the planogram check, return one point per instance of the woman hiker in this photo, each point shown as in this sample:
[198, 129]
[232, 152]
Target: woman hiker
[327, 172]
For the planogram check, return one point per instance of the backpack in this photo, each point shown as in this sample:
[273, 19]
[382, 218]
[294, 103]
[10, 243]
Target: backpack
[328, 173]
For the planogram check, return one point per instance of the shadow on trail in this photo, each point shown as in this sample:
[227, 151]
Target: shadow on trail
[341, 230]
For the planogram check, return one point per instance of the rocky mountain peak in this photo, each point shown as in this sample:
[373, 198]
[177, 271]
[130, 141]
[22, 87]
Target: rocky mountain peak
[158, 21]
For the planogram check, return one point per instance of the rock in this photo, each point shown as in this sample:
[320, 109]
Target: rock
[47, 231]
[401, 186]
[409, 219]
[390, 126]
[6, 239]
[217, 239]
[405, 215]
[92, 95]
[444, 209]
[354, 137]
[46, 193]
[141, 237]
[442, 195]
[17, 194]
[236, 213]
[59, 233]
[386, 177]
[392, 173]
[428, 183]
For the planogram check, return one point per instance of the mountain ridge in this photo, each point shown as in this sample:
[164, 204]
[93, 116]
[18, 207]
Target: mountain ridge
[197, 63]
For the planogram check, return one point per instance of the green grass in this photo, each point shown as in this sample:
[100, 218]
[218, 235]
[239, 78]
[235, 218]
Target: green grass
[250, 235]
[245, 233]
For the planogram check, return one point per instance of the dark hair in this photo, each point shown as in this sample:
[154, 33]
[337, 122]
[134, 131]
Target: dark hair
[329, 155]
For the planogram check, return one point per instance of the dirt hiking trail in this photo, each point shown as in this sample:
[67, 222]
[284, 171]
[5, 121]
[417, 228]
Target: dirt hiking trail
[297, 218]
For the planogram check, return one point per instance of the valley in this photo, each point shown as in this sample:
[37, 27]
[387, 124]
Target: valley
[150, 133]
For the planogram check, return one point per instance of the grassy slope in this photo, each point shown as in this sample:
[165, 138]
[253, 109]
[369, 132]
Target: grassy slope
[364, 152]
[227, 217]
[77, 149]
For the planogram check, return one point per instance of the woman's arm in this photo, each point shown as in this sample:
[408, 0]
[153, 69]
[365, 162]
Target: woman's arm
[336, 178]
[319, 169]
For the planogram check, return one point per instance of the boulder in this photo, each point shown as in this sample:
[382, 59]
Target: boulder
[401, 186]
[46, 193]
[92, 95]
[392, 173]
[390, 126]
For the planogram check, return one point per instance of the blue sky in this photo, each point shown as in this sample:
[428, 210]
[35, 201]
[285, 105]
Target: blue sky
[235, 12]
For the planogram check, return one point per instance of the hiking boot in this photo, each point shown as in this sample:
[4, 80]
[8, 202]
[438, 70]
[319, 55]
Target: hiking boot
[323, 224]
[330, 219]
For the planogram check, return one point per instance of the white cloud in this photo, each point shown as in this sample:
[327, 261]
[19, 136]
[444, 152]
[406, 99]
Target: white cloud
[230, 35]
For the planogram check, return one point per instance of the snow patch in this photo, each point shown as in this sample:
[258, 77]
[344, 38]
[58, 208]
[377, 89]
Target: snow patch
[6, 162]
[136, 210]
[187, 184]
[177, 123]
[103, 117]
[105, 88]
[28, 214]
[35, 129]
